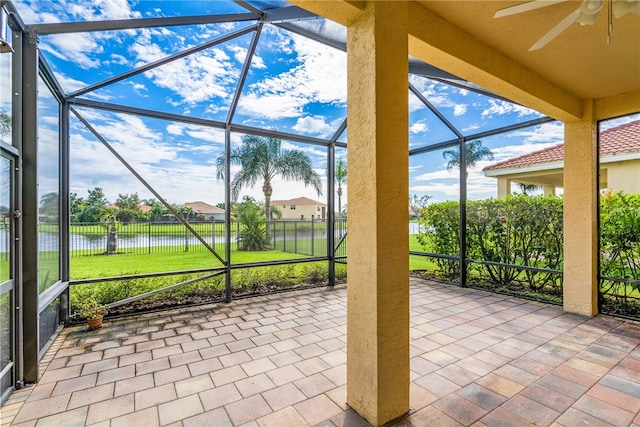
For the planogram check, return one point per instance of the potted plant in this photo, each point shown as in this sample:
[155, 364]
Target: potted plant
[94, 313]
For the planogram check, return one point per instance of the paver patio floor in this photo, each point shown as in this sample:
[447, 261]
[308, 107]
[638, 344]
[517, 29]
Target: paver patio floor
[476, 359]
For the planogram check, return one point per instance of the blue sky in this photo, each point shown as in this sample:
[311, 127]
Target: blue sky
[294, 85]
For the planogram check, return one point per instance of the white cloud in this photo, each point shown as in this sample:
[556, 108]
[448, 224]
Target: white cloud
[139, 88]
[77, 48]
[272, 105]
[175, 128]
[459, 109]
[418, 127]
[319, 76]
[82, 49]
[499, 107]
[94, 10]
[118, 59]
[608, 124]
[199, 77]
[240, 54]
[472, 126]
[552, 132]
[314, 125]
[209, 135]
[310, 150]
[436, 93]
[437, 175]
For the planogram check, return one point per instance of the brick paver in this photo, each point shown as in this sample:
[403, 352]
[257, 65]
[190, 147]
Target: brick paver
[476, 359]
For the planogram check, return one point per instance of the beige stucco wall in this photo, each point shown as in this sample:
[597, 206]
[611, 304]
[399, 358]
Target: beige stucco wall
[624, 176]
[301, 211]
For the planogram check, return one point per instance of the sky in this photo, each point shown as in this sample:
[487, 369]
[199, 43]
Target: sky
[294, 85]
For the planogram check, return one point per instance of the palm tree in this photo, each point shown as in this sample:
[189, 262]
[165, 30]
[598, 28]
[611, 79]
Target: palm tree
[475, 152]
[341, 178]
[262, 158]
[528, 188]
[5, 125]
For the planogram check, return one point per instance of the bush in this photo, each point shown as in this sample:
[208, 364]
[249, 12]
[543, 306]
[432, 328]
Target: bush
[519, 230]
[252, 235]
[440, 225]
[620, 241]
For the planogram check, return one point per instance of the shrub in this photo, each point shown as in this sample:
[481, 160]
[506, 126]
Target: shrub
[252, 234]
[439, 225]
[620, 239]
[519, 230]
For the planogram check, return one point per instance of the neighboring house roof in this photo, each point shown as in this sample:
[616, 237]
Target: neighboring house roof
[298, 201]
[203, 208]
[624, 139]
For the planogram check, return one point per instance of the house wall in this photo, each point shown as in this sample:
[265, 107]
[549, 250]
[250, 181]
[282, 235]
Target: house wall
[624, 176]
[301, 211]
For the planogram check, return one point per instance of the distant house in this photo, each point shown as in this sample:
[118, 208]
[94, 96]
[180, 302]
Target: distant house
[206, 211]
[301, 208]
[619, 164]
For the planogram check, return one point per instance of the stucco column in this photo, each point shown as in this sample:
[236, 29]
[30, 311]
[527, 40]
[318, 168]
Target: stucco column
[504, 187]
[581, 214]
[549, 190]
[378, 269]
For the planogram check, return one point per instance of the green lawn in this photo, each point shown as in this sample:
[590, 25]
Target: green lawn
[115, 265]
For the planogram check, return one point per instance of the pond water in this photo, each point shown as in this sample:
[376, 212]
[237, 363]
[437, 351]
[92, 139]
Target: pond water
[49, 242]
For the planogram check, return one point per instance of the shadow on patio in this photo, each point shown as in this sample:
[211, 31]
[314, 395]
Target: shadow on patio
[477, 359]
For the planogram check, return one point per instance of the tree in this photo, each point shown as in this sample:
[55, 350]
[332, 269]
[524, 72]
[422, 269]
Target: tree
[157, 210]
[341, 178]
[416, 204]
[276, 213]
[111, 225]
[128, 207]
[262, 158]
[475, 152]
[252, 233]
[5, 125]
[528, 188]
[49, 205]
[95, 206]
[76, 206]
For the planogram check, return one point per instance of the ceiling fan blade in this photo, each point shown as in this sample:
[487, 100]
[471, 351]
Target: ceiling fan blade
[525, 7]
[555, 31]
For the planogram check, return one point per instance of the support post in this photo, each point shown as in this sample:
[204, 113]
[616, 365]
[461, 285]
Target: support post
[378, 376]
[504, 187]
[581, 214]
[30, 292]
[331, 220]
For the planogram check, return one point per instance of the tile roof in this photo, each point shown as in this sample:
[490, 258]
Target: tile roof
[619, 140]
[204, 208]
[298, 201]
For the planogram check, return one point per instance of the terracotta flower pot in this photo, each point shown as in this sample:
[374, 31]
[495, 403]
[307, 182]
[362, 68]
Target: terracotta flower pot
[95, 323]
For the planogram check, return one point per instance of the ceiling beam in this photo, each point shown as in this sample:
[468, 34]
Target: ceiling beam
[343, 12]
[434, 40]
[619, 105]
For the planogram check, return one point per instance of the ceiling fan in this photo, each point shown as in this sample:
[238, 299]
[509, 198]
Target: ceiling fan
[585, 15]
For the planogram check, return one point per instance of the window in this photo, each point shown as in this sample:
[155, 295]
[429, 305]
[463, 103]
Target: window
[317, 208]
[293, 207]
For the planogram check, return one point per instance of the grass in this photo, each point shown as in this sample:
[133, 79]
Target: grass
[122, 264]
[83, 267]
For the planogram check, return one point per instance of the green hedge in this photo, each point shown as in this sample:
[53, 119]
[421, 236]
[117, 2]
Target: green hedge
[528, 231]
